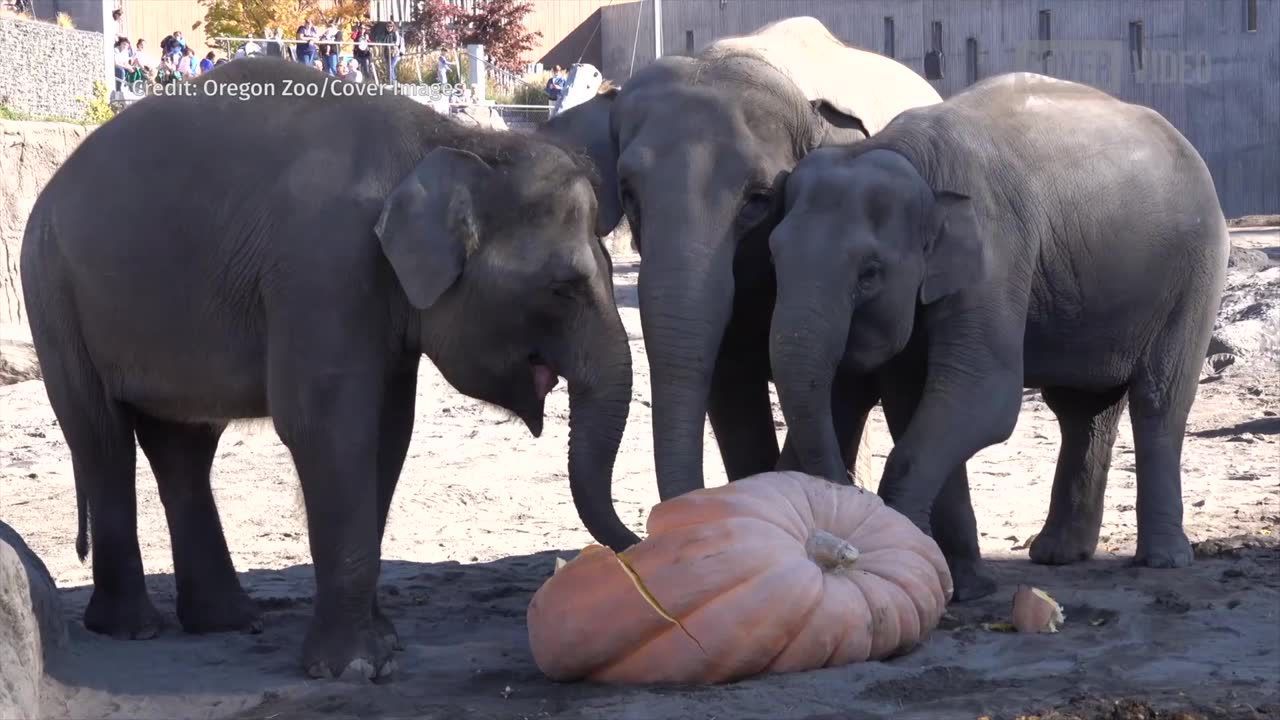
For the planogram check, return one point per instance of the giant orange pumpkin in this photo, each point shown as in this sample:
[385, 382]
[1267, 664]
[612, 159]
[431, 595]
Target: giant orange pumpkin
[777, 572]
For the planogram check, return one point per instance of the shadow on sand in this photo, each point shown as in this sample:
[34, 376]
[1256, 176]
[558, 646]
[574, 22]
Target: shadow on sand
[1259, 426]
[467, 656]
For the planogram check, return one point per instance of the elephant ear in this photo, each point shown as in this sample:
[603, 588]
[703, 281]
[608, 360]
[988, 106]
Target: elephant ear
[428, 227]
[855, 83]
[837, 128]
[955, 257]
[586, 128]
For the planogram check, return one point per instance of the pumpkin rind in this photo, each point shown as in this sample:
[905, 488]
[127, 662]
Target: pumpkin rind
[736, 566]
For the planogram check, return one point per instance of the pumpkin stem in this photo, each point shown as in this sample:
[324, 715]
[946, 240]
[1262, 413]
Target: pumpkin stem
[830, 552]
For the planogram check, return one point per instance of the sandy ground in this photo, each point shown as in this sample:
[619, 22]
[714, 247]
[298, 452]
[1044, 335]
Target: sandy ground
[483, 508]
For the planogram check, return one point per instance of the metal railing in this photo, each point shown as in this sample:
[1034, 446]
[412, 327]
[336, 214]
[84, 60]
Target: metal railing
[241, 42]
[505, 79]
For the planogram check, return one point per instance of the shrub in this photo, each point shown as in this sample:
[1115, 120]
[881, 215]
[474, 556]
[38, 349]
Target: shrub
[98, 108]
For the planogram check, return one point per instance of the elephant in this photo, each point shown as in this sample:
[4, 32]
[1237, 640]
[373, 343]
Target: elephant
[1028, 232]
[690, 151]
[281, 247]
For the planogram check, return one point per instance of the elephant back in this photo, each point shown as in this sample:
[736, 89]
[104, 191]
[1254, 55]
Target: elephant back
[865, 85]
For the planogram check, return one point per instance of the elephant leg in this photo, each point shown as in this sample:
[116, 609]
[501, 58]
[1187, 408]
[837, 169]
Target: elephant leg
[1160, 398]
[210, 598]
[329, 421]
[955, 529]
[393, 444]
[852, 398]
[951, 520]
[1088, 421]
[99, 433]
[741, 413]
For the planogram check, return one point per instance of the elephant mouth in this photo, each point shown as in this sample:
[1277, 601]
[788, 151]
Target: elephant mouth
[543, 379]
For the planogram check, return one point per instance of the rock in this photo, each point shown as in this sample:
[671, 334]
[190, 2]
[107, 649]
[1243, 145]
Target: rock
[1247, 260]
[480, 116]
[31, 626]
[30, 152]
[17, 355]
[1254, 221]
[1248, 323]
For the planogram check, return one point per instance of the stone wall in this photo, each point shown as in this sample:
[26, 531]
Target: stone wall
[48, 71]
[30, 152]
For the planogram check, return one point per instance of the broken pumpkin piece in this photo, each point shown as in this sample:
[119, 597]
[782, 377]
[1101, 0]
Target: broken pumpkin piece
[1034, 611]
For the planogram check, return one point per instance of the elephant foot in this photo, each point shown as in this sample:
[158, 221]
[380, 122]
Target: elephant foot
[128, 617]
[1063, 546]
[970, 580]
[229, 611]
[1166, 550]
[343, 652]
[386, 629]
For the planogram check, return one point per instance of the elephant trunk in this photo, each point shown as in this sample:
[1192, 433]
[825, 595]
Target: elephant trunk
[599, 400]
[805, 349]
[685, 303]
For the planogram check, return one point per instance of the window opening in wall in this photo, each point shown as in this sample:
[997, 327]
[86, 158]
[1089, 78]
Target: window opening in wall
[889, 48]
[1251, 16]
[971, 60]
[933, 60]
[1135, 46]
[688, 41]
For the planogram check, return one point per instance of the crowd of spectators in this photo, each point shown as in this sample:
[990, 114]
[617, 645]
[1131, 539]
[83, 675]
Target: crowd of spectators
[134, 62]
[332, 47]
[337, 49]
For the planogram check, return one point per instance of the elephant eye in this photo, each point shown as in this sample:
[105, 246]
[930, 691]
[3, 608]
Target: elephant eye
[758, 205]
[868, 277]
[564, 290]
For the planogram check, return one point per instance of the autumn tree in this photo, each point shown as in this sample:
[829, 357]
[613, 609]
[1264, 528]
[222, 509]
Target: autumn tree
[496, 24]
[251, 18]
[436, 24]
[499, 26]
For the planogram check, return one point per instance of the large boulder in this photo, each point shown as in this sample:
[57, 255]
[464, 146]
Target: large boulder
[30, 152]
[31, 626]
[1248, 325]
[17, 355]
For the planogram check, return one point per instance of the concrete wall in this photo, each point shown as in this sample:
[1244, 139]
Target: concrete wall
[48, 70]
[30, 152]
[152, 20]
[1217, 82]
[84, 14]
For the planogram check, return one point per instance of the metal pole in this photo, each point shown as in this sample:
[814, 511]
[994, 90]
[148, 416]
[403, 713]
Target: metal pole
[657, 29]
[108, 50]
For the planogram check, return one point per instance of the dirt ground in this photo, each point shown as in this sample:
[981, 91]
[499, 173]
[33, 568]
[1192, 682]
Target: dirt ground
[483, 508]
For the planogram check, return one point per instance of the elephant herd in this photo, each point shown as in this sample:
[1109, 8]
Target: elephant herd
[806, 213]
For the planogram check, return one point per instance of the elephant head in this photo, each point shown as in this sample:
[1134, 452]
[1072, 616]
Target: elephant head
[863, 244]
[510, 289]
[695, 148]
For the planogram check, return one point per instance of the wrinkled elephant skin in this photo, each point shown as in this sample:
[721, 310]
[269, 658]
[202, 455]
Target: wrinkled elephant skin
[299, 273]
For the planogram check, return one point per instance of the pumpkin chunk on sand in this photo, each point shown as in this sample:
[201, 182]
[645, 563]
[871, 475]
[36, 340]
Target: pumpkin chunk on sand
[778, 572]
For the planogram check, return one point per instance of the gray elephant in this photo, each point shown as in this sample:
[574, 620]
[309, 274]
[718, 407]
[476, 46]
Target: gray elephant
[292, 253]
[1028, 232]
[691, 150]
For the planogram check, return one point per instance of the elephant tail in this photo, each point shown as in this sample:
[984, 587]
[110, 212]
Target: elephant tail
[82, 524]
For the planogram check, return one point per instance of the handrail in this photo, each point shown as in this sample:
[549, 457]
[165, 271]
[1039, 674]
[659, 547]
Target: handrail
[317, 41]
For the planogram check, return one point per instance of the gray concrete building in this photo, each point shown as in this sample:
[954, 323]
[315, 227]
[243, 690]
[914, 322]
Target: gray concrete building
[1212, 67]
